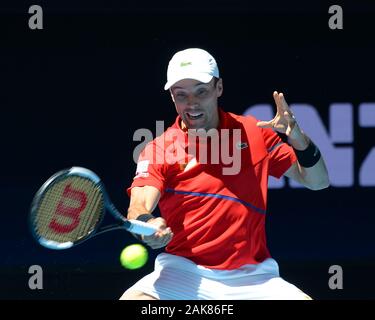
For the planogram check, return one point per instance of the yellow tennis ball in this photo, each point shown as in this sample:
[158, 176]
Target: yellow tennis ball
[134, 256]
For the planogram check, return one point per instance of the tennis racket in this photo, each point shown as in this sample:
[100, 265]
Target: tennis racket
[69, 208]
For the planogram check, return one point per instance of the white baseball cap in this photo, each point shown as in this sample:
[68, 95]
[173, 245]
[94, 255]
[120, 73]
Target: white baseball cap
[191, 63]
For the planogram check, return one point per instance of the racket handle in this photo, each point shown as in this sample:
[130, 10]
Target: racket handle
[140, 227]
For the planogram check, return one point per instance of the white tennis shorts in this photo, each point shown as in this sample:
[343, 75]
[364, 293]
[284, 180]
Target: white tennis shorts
[178, 278]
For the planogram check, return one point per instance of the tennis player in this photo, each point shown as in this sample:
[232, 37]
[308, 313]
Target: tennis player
[213, 218]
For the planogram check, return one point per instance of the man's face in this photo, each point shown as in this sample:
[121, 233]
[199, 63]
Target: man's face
[196, 102]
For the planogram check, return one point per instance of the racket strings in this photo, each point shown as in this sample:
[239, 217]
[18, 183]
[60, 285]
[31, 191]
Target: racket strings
[70, 210]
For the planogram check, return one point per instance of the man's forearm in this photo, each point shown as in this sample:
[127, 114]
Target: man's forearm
[315, 177]
[311, 165]
[143, 200]
[135, 211]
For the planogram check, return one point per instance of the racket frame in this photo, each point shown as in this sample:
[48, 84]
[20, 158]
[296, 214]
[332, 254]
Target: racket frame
[108, 205]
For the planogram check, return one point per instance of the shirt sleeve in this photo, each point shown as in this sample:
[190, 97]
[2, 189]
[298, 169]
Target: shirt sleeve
[281, 154]
[150, 169]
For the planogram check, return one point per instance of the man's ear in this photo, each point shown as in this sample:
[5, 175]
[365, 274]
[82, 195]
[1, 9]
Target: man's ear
[219, 87]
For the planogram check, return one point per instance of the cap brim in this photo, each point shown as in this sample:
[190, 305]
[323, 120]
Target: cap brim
[202, 77]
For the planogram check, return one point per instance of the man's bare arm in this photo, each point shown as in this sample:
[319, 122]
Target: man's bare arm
[143, 201]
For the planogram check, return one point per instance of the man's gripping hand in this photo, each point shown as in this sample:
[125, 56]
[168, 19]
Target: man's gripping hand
[160, 238]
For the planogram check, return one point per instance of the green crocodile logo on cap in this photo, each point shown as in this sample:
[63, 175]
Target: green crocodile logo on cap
[185, 63]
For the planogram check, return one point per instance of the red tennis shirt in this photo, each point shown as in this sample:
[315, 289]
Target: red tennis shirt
[218, 219]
